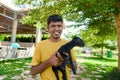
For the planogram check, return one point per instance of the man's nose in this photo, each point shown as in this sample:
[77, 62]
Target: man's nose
[56, 28]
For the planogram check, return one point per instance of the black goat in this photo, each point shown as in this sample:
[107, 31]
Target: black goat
[76, 41]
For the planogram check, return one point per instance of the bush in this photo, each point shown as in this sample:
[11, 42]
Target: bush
[111, 47]
[2, 37]
[24, 38]
[113, 75]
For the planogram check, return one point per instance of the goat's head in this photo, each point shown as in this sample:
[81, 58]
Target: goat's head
[78, 41]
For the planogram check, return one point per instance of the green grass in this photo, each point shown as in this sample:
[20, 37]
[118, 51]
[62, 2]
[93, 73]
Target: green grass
[97, 60]
[13, 67]
[91, 66]
[96, 66]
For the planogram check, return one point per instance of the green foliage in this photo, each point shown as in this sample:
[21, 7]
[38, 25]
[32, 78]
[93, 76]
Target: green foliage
[114, 74]
[25, 38]
[40, 10]
[111, 47]
[7, 38]
[97, 45]
[99, 16]
[45, 36]
[95, 8]
[106, 45]
[2, 37]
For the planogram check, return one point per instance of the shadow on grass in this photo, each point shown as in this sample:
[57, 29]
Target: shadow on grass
[11, 74]
[114, 74]
[100, 59]
[96, 70]
[13, 67]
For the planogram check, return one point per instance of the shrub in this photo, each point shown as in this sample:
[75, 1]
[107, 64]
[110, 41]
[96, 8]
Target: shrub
[113, 75]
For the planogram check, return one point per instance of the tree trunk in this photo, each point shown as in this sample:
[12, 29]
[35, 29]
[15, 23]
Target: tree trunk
[102, 50]
[117, 17]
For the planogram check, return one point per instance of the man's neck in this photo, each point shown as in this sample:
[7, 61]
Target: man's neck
[55, 40]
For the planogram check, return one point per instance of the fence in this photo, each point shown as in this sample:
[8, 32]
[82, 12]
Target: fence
[7, 52]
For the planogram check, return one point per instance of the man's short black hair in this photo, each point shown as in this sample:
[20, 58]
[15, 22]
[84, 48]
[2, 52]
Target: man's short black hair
[54, 18]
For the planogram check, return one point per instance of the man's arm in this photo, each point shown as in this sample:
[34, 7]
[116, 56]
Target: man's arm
[40, 67]
[53, 60]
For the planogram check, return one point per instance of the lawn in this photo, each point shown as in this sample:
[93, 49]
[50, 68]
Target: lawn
[90, 67]
[13, 67]
[95, 68]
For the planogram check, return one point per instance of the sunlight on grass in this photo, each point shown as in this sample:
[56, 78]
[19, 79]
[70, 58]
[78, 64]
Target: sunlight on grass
[13, 67]
[95, 67]
[96, 60]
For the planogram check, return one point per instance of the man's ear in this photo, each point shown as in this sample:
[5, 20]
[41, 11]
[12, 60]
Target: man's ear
[63, 25]
[47, 28]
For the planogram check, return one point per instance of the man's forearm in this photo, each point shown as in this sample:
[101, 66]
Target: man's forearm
[40, 68]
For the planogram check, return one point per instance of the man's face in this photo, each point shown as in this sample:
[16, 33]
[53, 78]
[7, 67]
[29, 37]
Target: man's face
[55, 29]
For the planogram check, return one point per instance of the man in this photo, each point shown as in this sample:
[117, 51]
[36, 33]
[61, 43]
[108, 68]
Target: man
[44, 56]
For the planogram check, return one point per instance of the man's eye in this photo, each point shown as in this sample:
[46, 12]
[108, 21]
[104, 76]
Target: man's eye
[52, 26]
[59, 25]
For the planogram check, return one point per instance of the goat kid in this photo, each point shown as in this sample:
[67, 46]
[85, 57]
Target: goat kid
[76, 41]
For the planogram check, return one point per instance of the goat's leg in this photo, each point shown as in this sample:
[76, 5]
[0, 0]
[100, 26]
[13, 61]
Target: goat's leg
[71, 63]
[62, 68]
[55, 70]
[64, 75]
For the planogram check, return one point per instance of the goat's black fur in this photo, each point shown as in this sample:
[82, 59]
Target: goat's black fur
[76, 41]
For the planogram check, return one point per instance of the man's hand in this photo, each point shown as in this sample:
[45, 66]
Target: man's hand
[56, 60]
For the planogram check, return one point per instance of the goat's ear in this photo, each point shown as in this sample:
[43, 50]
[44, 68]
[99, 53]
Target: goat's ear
[76, 38]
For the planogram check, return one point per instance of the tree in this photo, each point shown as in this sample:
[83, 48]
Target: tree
[39, 12]
[96, 38]
[105, 14]
[100, 15]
